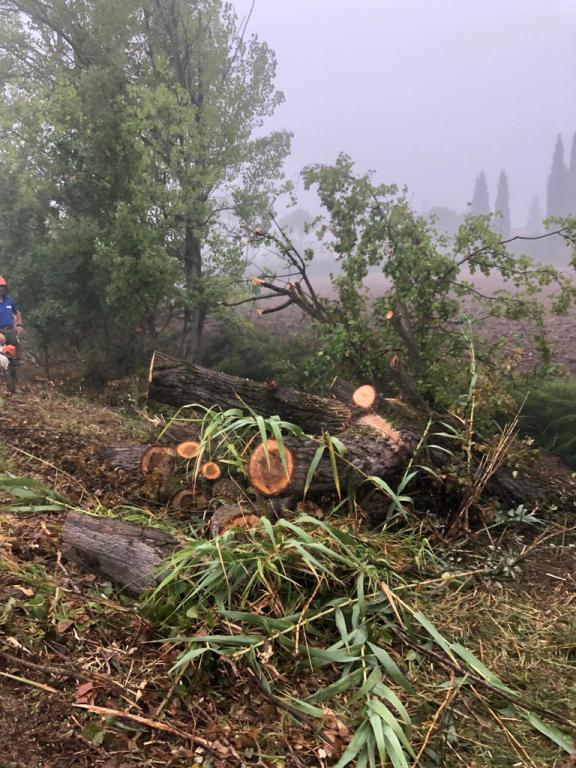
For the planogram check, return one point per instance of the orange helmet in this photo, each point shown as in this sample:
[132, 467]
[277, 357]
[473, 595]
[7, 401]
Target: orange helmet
[3, 280]
[10, 350]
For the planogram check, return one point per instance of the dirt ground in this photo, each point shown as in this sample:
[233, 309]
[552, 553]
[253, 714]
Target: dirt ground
[68, 643]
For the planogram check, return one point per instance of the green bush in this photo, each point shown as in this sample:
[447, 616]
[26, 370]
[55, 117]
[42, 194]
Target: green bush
[549, 416]
[244, 349]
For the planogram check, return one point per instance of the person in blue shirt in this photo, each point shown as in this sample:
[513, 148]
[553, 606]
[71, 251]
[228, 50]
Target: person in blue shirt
[10, 316]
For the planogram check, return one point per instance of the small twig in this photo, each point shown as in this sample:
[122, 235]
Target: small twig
[511, 697]
[432, 728]
[157, 725]
[164, 703]
[56, 671]
[31, 683]
[513, 741]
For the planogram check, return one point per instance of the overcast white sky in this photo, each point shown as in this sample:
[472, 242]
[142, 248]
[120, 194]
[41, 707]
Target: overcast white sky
[427, 92]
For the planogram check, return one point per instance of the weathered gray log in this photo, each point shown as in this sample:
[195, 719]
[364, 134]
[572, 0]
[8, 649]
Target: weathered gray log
[178, 383]
[128, 555]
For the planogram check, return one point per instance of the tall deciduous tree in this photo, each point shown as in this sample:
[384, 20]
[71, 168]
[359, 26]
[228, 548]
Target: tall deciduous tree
[210, 90]
[480, 205]
[132, 145]
[502, 207]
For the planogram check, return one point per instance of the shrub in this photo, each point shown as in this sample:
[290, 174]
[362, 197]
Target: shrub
[549, 416]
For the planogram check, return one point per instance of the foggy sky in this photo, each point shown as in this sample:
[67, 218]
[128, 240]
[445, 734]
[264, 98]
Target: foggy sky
[427, 92]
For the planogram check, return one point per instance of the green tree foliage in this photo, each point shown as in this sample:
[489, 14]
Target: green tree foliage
[130, 157]
[401, 287]
[502, 207]
[480, 205]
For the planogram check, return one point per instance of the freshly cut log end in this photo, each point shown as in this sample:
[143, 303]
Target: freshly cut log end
[365, 397]
[266, 472]
[158, 460]
[228, 517]
[389, 315]
[189, 500]
[382, 426]
[210, 470]
[189, 449]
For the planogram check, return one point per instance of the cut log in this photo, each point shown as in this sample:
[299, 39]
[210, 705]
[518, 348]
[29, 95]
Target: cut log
[189, 500]
[189, 449]
[210, 470]
[126, 457]
[158, 460]
[234, 516]
[372, 447]
[127, 555]
[178, 383]
[266, 472]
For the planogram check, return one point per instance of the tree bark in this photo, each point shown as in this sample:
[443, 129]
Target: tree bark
[372, 448]
[126, 457]
[177, 383]
[126, 554]
[193, 316]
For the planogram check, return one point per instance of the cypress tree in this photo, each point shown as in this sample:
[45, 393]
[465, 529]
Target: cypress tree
[571, 200]
[480, 201]
[535, 217]
[502, 207]
[557, 193]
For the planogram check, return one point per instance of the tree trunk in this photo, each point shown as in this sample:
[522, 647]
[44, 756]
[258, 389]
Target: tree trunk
[177, 383]
[372, 448]
[128, 555]
[193, 316]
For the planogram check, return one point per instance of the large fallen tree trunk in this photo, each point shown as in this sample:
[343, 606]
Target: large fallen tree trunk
[177, 383]
[127, 555]
[372, 447]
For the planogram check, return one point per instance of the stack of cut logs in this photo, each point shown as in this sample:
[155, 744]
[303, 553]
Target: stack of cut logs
[369, 446]
[372, 446]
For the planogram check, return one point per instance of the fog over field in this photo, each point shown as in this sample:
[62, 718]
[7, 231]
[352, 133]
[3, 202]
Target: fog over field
[427, 94]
